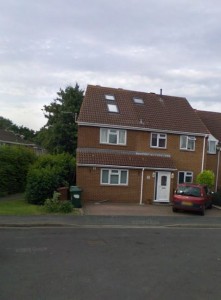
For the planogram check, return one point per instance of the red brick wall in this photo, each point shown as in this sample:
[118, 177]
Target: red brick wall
[140, 141]
[89, 178]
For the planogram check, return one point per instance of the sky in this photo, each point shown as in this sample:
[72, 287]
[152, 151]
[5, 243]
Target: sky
[142, 45]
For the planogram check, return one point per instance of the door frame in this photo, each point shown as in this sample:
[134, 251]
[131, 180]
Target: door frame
[167, 198]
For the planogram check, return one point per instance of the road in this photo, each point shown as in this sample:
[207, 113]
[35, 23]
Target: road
[110, 263]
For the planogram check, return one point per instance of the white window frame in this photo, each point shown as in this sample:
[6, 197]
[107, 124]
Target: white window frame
[109, 97]
[160, 136]
[185, 176]
[210, 149]
[111, 173]
[187, 143]
[106, 133]
[112, 108]
[138, 100]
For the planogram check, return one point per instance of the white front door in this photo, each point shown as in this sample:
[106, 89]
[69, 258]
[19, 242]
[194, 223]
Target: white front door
[162, 191]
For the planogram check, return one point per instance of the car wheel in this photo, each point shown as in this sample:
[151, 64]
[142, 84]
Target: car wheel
[175, 209]
[202, 212]
[210, 205]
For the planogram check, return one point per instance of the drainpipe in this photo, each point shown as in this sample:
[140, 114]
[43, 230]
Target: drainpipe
[141, 187]
[217, 170]
[203, 156]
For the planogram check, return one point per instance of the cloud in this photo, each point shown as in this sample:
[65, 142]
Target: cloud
[137, 44]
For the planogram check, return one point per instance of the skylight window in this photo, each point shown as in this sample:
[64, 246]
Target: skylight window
[112, 108]
[110, 97]
[138, 100]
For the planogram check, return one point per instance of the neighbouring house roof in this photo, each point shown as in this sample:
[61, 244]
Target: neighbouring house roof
[9, 137]
[101, 157]
[152, 112]
[212, 121]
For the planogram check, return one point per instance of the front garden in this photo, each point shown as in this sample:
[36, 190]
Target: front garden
[37, 180]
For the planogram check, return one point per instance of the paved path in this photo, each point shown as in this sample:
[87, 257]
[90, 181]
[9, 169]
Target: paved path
[108, 214]
[108, 209]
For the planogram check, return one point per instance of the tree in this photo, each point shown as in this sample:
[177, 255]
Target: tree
[14, 166]
[27, 133]
[206, 177]
[60, 133]
[5, 123]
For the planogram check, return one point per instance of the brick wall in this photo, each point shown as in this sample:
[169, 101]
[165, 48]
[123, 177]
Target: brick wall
[140, 141]
[89, 178]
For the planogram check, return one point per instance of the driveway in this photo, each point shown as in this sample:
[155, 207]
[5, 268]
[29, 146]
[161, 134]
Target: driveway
[116, 209]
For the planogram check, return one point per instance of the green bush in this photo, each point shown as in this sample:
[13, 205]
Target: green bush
[206, 177]
[41, 184]
[48, 174]
[54, 205]
[14, 166]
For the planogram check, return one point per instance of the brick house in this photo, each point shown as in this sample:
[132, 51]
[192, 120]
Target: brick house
[136, 146]
[212, 120]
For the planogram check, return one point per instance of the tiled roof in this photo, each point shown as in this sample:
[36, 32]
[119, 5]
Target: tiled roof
[124, 158]
[12, 138]
[212, 120]
[159, 112]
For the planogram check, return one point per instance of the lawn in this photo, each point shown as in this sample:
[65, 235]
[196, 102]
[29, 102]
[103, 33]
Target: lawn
[19, 207]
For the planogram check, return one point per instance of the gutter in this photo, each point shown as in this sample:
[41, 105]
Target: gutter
[139, 128]
[125, 167]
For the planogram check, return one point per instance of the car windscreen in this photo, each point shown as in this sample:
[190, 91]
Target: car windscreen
[188, 191]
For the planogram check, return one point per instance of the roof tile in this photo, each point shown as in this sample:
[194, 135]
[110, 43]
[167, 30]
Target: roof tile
[159, 112]
[130, 159]
[212, 120]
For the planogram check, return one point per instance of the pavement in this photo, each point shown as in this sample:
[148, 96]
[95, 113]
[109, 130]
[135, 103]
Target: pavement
[119, 215]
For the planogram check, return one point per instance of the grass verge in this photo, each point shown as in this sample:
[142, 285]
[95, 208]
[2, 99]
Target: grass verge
[19, 207]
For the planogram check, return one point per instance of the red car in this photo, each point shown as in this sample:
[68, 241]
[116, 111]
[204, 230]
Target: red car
[192, 197]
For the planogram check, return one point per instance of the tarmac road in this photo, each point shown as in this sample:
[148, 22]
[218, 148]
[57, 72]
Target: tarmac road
[100, 263]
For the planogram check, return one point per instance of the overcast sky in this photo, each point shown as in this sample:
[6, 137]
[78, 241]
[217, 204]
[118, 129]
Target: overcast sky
[142, 45]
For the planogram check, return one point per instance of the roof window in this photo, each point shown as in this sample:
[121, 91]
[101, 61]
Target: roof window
[112, 108]
[138, 100]
[110, 97]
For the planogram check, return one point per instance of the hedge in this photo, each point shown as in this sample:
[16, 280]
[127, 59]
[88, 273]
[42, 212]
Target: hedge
[14, 166]
[48, 174]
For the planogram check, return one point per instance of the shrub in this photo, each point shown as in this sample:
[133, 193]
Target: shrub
[48, 174]
[40, 185]
[206, 177]
[14, 166]
[54, 205]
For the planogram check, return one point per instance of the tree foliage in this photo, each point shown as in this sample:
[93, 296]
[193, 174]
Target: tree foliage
[206, 177]
[48, 174]
[14, 166]
[60, 133]
[27, 133]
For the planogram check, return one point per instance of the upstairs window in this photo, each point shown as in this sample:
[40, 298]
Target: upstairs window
[211, 147]
[185, 177]
[138, 100]
[110, 97]
[112, 136]
[158, 140]
[187, 142]
[112, 108]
